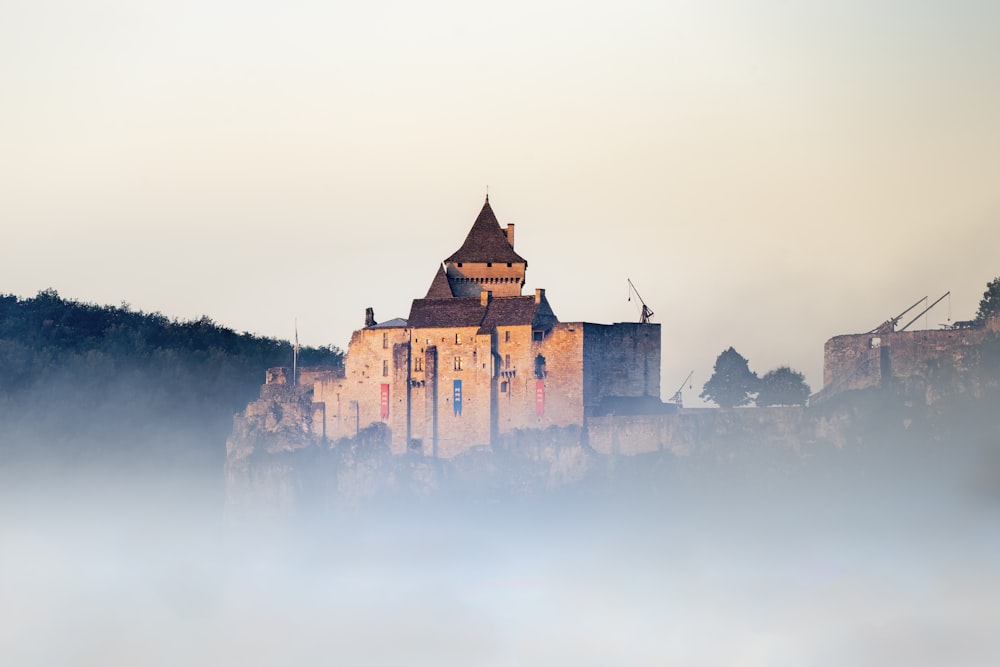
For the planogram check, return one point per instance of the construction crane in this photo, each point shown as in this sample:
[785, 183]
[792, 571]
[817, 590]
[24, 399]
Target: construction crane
[647, 314]
[678, 398]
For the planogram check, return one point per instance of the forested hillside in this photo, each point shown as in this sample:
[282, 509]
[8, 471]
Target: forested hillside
[88, 385]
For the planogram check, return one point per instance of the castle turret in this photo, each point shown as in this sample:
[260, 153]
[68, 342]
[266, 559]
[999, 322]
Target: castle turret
[486, 261]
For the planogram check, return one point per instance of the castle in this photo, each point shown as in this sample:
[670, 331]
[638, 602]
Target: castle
[476, 359]
[479, 368]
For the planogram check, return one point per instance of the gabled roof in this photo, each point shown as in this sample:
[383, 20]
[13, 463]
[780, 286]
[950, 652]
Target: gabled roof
[445, 313]
[508, 311]
[470, 312]
[486, 241]
[440, 287]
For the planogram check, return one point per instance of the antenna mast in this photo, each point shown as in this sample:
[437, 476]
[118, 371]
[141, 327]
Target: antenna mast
[647, 314]
[295, 356]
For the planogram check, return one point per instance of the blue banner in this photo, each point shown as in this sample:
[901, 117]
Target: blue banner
[458, 397]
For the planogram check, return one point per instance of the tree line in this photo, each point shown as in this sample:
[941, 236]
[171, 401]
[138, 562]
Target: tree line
[84, 380]
[733, 384]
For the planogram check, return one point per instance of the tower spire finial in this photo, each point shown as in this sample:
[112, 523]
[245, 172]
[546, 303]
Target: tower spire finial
[487, 194]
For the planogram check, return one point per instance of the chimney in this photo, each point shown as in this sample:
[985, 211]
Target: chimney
[370, 317]
[539, 294]
[485, 297]
[510, 235]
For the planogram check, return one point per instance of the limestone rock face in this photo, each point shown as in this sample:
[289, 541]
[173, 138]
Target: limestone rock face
[271, 443]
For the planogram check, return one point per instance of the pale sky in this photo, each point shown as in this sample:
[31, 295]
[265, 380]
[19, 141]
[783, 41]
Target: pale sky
[769, 174]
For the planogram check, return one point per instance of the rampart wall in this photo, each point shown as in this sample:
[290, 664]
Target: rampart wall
[690, 430]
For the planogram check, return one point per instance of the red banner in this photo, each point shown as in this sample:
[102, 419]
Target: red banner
[539, 398]
[385, 401]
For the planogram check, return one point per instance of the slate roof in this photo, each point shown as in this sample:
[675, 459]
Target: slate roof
[469, 312]
[486, 241]
[507, 311]
[445, 313]
[394, 323]
[440, 287]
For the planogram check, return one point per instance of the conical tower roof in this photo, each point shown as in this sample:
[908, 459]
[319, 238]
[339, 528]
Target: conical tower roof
[440, 287]
[486, 241]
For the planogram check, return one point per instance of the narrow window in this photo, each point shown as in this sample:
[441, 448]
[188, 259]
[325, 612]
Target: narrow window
[489, 265]
[506, 361]
[385, 341]
[418, 364]
[458, 363]
[385, 368]
[503, 387]
[537, 335]
[458, 339]
[506, 336]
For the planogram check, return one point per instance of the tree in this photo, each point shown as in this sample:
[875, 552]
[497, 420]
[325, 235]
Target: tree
[990, 303]
[732, 381]
[783, 386]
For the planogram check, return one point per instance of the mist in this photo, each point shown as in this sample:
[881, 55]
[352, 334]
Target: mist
[852, 557]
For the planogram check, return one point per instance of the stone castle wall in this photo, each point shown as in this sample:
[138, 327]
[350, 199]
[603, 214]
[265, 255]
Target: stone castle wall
[859, 361]
[691, 430]
[512, 378]
[550, 393]
[620, 359]
[464, 355]
[354, 400]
